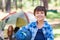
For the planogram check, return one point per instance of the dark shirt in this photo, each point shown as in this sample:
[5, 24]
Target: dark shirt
[39, 35]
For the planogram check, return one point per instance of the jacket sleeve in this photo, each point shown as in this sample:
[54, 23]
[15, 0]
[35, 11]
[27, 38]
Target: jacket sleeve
[50, 35]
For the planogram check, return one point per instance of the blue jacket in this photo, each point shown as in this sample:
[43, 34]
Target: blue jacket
[47, 30]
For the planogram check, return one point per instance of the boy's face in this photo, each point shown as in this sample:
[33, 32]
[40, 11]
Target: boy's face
[40, 15]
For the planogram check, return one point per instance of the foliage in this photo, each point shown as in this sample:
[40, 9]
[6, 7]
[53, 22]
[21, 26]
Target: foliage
[53, 15]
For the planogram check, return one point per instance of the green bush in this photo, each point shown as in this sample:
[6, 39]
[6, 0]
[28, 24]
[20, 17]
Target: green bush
[53, 15]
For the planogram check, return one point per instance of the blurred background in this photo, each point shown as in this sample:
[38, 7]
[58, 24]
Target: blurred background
[11, 9]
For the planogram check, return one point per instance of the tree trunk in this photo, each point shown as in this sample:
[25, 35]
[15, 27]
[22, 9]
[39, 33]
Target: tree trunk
[32, 2]
[3, 5]
[15, 3]
[21, 4]
[8, 5]
[45, 3]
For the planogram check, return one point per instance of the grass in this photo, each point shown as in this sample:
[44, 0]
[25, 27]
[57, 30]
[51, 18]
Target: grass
[56, 35]
[56, 31]
[53, 15]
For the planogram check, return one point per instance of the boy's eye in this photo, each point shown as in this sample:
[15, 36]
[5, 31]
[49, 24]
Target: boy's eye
[41, 12]
[37, 12]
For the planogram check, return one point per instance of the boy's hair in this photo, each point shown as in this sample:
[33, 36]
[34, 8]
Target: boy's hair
[40, 8]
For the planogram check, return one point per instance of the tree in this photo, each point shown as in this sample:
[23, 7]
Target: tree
[20, 4]
[32, 2]
[15, 3]
[3, 5]
[0, 4]
[45, 3]
[8, 5]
